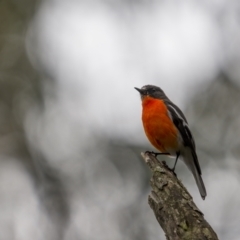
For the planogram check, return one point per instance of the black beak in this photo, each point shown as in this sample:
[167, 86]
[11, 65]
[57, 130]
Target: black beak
[139, 90]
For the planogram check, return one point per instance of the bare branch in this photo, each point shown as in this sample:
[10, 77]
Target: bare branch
[173, 206]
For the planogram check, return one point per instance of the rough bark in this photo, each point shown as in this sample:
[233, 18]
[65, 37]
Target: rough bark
[173, 206]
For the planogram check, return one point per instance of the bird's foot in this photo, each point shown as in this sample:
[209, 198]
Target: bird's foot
[170, 169]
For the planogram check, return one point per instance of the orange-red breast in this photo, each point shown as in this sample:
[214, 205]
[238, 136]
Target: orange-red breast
[167, 129]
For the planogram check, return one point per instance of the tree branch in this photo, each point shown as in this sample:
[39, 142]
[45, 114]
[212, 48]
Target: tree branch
[173, 206]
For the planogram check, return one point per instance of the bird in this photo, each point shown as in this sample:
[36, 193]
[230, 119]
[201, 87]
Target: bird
[167, 129]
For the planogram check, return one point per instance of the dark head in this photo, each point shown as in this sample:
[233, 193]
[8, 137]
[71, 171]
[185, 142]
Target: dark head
[151, 91]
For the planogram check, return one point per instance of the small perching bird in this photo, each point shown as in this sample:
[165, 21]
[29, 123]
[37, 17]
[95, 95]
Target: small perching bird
[167, 129]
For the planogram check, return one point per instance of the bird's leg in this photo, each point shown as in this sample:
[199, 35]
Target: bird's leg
[156, 154]
[178, 154]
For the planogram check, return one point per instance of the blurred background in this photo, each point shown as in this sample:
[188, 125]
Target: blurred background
[70, 119]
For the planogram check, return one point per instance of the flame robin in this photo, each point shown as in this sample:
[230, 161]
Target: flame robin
[167, 129]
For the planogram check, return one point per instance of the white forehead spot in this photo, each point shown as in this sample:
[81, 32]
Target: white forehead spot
[144, 87]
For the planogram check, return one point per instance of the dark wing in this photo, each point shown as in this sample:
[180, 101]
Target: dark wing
[181, 123]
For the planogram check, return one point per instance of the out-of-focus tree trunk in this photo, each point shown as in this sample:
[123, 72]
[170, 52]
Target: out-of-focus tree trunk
[20, 90]
[173, 206]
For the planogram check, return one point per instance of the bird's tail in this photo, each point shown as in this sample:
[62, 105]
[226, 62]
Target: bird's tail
[191, 160]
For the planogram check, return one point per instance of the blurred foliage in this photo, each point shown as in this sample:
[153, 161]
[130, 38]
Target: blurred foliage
[18, 80]
[214, 113]
[20, 91]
